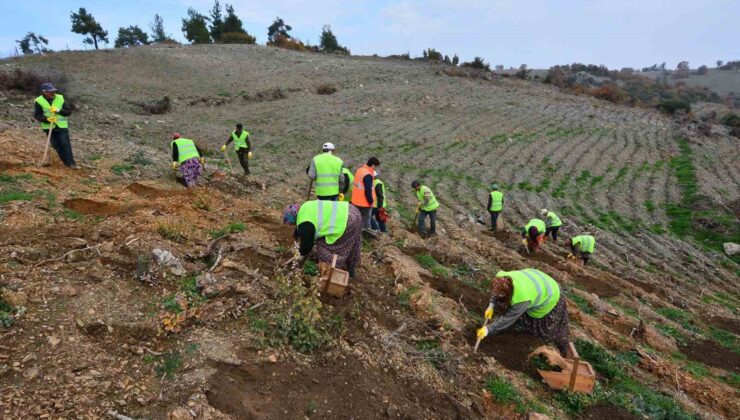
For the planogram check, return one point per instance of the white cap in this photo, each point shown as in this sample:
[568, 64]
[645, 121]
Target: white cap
[327, 146]
[543, 212]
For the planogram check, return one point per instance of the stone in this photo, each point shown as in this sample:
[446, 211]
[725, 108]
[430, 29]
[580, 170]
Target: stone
[15, 298]
[272, 358]
[165, 258]
[53, 341]
[731, 248]
[31, 373]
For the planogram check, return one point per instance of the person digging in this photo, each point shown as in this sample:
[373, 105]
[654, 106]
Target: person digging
[581, 246]
[533, 234]
[552, 224]
[427, 207]
[242, 146]
[52, 111]
[335, 227]
[531, 299]
[188, 157]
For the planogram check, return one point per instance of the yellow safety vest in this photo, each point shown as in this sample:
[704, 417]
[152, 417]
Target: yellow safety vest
[433, 204]
[329, 218]
[497, 201]
[57, 103]
[185, 149]
[240, 142]
[328, 168]
[535, 286]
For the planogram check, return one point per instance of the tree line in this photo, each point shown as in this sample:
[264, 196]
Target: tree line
[220, 25]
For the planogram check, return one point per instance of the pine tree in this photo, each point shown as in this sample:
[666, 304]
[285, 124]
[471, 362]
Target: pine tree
[84, 23]
[217, 22]
[131, 37]
[32, 43]
[157, 28]
[195, 29]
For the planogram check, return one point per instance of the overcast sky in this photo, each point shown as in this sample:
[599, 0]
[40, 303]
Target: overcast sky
[616, 33]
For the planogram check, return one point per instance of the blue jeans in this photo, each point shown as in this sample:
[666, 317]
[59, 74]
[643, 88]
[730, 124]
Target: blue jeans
[432, 222]
[375, 223]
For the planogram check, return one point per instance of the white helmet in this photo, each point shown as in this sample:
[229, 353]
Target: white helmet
[543, 212]
[327, 147]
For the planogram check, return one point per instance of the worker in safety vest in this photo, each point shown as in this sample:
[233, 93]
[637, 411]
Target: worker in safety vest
[581, 246]
[531, 298]
[52, 112]
[552, 224]
[345, 186]
[495, 205]
[380, 215]
[325, 171]
[188, 157]
[363, 193]
[427, 207]
[334, 226]
[242, 146]
[534, 232]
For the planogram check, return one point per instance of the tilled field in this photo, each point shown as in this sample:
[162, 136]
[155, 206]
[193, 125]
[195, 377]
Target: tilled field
[605, 169]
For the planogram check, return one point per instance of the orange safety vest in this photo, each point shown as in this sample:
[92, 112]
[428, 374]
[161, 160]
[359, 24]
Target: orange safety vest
[358, 192]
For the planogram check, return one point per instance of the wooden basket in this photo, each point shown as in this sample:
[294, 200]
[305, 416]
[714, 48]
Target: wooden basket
[333, 280]
[579, 376]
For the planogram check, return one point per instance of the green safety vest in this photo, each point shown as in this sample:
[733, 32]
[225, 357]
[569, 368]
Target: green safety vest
[585, 243]
[382, 189]
[433, 204]
[552, 220]
[351, 180]
[58, 102]
[240, 142]
[539, 224]
[497, 201]
[329, 218]
[537, 287]
[328, 169]
[185, 149]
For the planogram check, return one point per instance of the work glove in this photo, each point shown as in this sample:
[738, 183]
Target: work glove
[571, 256]
[223, 148]
[202, 161]
[52, 120]
[53, 110]
[249, 155]
[482, 333]
[341, 197]
[489, 312]
[524, 241]
[174, 166]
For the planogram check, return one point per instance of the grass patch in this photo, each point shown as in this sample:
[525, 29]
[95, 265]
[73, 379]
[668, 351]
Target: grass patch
[559, 191]
[583, 177]
[233, 227]
[671, 331]
[404, 298]
[168, 364]
[649, 206]
[170, 304]
[731, 378]
[504, 392]
[581, 303]
[6, 314]
[170, 233]
[725, 338]
[525, 186]
[15, 195]
[432, 352]
[121, 168]
[73, 215]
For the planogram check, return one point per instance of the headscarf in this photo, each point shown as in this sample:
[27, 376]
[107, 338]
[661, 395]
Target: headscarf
[290, 214]
[503, 289]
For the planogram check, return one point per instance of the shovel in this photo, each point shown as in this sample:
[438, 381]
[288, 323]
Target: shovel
[477, 342]
[310, 187]
[228, 159]
[48, 144]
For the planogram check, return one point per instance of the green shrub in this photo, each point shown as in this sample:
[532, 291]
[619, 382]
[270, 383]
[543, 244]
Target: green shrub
[503, 391]
[310, 268]
[121, 168]
[168, 364]
[603, 362]
[670, 106]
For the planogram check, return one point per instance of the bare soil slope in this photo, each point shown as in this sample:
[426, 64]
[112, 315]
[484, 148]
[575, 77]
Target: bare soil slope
[104, 328]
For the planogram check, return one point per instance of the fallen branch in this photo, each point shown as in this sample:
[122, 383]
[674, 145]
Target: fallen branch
[218, 260]
[95, 247]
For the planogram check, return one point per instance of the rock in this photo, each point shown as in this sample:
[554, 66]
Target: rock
[15, 298]
[538, 416]
[731, 248]
[179, 414]
[272, 358]
[53, 341]
[165, 258]
[106, 247]
[28, 358]
[31, 373]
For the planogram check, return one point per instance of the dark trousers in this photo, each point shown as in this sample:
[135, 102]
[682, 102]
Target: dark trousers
[375, 223]
[494, 219]
[552, 231]
[328, 197]
[243, 159]
[432, 222]
[60, 142]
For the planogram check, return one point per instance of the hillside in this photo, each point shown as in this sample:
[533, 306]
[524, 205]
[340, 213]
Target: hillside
[105, 329]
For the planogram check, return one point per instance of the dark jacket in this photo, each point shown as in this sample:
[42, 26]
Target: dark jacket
[368, 182]
[379, 194]
[305, 231]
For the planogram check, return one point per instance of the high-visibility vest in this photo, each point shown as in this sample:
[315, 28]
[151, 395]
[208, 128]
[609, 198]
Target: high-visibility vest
[535, 286]
[57, 103]
[552, 220]
[329, 218]
[497, 201]
[350, 180]
[382, 189]
[358, 192]
[185, 149]
[433, 204]
[585, 243]
[240, 141]
[328, 169]
[539, 224]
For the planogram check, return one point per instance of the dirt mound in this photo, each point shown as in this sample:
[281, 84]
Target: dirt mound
[712, 354]
[339, 388]
[510, 349]
[150, 192]
[96, 208]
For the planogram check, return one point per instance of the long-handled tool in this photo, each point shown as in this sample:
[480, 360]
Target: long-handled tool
[477, 342]
[310, 187]
[48, 144]
[228, 159]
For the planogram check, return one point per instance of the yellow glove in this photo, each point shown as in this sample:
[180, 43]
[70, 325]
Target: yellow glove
[489, 312]
[341, 197]
[223, 148]
[202, 160]
[482, 332]
[570, 256]
[53, 110]
[174, 165]
[249, 155]
[52, 120]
